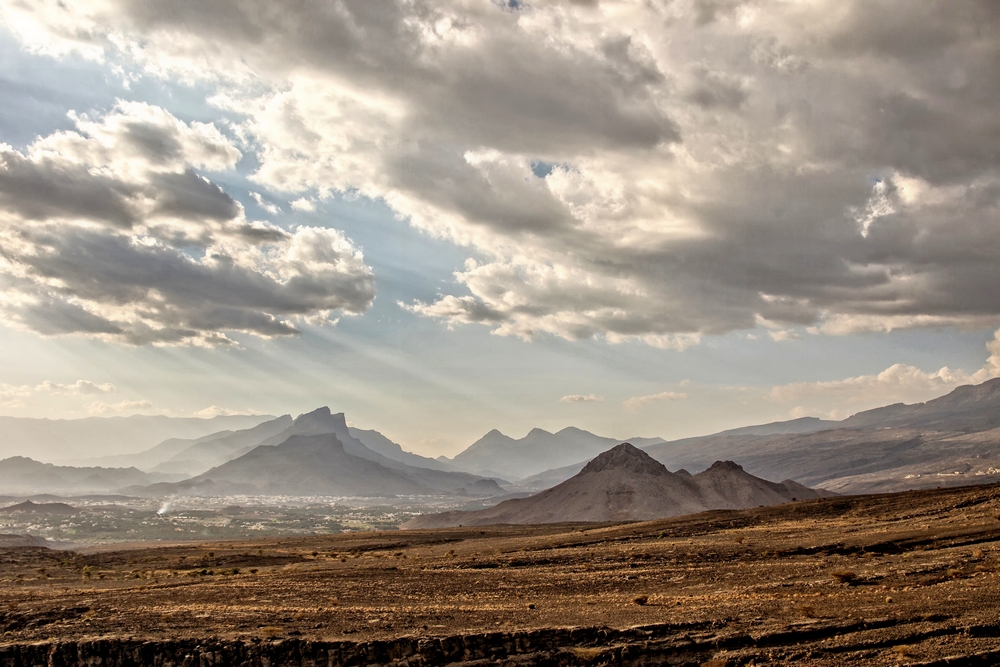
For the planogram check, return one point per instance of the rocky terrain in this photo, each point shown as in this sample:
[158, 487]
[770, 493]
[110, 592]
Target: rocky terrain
[626, 484]
[910, 578]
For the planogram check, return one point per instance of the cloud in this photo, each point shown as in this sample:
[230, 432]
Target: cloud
[80, 387]
[108, 231]
[122, 406]
[898, 383]
[639, 402]
[581, 398]
[270, 207]
[216, 411]
[303, 204]
[629, 171]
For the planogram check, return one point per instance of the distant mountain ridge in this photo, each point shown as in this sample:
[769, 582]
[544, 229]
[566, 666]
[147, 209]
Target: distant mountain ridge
[499, 454]
[191, 457]
[19, 474]
[317, 455]
[967, 409]
[950, 440]
[626, 484]
[66, 441]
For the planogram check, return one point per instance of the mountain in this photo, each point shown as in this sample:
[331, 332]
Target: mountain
[385, 453]
[553, 476]
[949, 441]
[29, 507]
[316, 455]
[307, 465]
[76, 439]
[626, 484]
[191, 457]
[197, 456]
[169, 456]
[500, 455]
[967, 409]
[21, 475]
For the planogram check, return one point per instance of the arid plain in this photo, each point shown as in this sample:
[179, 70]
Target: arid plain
[909, 578]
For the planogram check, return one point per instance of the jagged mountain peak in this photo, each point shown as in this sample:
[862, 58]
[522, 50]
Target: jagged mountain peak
[627, 458]
[321, 417]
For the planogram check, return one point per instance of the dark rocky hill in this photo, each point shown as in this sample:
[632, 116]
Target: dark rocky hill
[626, 484]
[29, 507]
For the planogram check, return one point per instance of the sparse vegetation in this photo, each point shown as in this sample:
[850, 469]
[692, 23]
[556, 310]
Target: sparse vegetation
[523, 578]
[845, 576]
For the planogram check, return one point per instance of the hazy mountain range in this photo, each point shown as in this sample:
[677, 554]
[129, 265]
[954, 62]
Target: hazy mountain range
[316, 454]
[954, 439]
[626, 484]
[67, 441]
[21, 475]
[496, 454]
[951, 440]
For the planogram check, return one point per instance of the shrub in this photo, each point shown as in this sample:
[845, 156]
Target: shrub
[845, 576]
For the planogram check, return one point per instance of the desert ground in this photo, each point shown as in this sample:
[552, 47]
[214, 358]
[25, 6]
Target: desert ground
[909, 578]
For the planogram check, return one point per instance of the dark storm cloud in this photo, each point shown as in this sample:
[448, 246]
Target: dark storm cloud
[172, 260]
[38, 191]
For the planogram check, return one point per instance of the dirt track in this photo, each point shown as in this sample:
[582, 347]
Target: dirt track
[901, 579]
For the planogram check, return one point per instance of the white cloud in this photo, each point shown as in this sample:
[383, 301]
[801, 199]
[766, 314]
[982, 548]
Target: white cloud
[80, 387]
[898, 383]
[120, 407]
[629, 171]
[639, 402]
[581, 398]
[107, 231]
[303, 204]
[783, 335]
[216, 411]
[270, 207]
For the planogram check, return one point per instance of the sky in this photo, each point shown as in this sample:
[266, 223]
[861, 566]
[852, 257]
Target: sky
[657, 218]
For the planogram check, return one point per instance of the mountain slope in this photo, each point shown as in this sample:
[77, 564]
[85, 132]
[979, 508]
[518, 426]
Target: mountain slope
[800, 425]
[626, 484]
[380, 444]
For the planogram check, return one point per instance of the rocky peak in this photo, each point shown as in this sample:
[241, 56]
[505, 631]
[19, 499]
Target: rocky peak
[627, 458]
[321, 420]
[725, 466]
